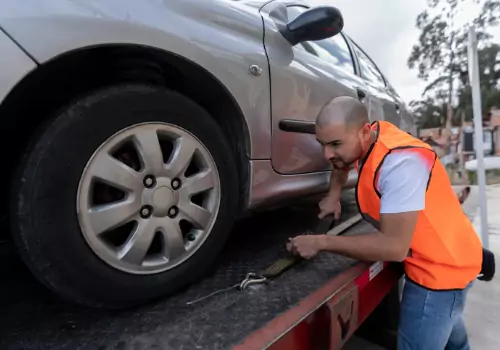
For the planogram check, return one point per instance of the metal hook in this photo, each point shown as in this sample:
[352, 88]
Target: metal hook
[251, 279]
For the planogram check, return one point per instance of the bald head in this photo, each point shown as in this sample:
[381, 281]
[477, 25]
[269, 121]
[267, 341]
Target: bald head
[343, 110]
[344, 132]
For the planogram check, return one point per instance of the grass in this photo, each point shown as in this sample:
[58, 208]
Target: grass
[492, 177]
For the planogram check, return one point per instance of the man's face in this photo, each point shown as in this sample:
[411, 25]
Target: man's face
[342, 146]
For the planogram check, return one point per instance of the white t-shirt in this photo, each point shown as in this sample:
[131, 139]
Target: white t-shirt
[402, 182]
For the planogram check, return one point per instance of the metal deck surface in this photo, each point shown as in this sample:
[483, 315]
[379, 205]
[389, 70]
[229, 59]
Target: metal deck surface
[33, 318]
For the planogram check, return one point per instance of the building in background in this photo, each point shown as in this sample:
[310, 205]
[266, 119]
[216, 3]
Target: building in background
[494, 124]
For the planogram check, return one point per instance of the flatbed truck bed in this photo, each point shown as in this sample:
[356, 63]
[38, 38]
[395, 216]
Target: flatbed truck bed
[317, 304]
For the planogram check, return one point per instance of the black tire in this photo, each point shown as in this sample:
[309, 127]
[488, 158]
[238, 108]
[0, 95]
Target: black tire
[43, 208]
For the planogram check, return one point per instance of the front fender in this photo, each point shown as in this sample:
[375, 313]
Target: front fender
[14, 65]
[223, 39]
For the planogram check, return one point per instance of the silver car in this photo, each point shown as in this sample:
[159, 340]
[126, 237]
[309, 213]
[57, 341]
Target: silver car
[141, 130]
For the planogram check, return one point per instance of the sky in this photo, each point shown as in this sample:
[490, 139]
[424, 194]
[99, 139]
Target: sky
[386, 31]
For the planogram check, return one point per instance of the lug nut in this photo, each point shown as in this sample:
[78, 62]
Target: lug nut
[149, 181]
[146, 211]
[172, 212]
[176, 184]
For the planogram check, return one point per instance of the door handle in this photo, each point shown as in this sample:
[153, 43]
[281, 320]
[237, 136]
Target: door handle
[361, 93]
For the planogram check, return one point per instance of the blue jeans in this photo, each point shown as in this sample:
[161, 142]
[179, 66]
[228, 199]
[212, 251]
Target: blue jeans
[432, 320]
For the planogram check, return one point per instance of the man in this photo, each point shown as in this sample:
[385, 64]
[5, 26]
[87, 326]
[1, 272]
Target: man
[404, 192]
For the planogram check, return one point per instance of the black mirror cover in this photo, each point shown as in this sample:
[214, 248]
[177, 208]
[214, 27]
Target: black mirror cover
[318, 23]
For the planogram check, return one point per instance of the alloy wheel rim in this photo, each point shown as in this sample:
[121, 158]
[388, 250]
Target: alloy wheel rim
[148, 198]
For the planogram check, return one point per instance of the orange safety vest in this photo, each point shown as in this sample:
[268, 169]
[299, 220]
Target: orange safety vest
[445, 251]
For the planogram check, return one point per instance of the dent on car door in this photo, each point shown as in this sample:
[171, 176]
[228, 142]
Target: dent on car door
[303, 79]
[383, 106]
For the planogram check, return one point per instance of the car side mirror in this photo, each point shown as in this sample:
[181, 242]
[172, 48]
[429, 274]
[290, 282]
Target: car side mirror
[317, 23]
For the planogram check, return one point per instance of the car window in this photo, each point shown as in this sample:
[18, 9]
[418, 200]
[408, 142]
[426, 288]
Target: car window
[332, 50]
[368, 69]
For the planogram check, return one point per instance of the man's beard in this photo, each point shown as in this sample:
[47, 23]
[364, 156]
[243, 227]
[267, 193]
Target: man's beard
[340, 164]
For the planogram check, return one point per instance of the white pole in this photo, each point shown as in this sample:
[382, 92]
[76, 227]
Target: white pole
[478, 132]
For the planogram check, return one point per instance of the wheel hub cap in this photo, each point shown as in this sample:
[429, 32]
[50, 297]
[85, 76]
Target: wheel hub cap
[163, 200]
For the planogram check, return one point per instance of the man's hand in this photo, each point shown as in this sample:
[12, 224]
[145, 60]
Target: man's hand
[306, 246]
[329, 205]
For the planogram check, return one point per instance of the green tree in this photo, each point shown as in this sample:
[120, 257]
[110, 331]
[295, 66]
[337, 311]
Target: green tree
[441, 50]
[489, 78]
[428, 113]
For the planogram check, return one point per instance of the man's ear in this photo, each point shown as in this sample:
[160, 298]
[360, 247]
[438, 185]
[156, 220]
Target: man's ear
[366, 129]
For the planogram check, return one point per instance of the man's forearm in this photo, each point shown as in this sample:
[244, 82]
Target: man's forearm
[367, 247]
[338, 179]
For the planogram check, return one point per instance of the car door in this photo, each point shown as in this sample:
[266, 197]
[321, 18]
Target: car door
[408, 122]
[303, 79]
[383, 105]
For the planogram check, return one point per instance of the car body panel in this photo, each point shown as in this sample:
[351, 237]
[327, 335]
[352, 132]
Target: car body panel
[383, 104]
[305, 77]
[270, 189]
[301, 84]
[223, 37]
[15, 64]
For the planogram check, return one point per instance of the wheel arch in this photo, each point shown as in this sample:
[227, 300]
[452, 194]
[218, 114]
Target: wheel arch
[63, 78]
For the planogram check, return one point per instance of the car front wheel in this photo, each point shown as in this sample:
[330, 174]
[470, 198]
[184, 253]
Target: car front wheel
[127, 195]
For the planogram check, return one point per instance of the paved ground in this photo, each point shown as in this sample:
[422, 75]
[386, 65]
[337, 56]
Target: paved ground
[482, 313]
[357, 343]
